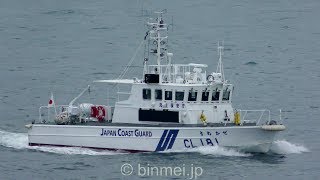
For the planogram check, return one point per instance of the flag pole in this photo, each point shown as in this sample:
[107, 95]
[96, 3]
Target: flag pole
[48, 113]
[54, 104]
[51, 104]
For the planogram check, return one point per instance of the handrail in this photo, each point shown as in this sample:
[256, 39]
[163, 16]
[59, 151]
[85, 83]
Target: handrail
[62, 109]
[47, 107]
[126, 93]
[244, 113]
[177, 73]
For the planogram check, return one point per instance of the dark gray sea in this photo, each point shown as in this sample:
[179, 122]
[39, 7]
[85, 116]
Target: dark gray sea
[272, 55]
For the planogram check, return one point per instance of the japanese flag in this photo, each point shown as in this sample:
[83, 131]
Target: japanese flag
[51, 101]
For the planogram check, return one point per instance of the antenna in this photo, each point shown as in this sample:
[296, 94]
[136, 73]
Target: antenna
[171, 24]
[142, 10]
[161, 12]
[220, 65]
[158, 33]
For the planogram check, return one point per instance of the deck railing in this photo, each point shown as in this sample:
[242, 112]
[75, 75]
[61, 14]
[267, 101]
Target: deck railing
[174, 72]
[49, 111]
[254, 116]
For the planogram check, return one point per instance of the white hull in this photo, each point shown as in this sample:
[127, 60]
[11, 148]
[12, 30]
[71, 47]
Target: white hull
[247, 138]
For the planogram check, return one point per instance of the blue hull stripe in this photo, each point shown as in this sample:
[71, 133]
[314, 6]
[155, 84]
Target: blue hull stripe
[160, 146]
[173, 138]
[167, 139]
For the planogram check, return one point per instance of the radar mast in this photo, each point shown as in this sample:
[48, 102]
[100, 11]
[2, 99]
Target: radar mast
[220, 64]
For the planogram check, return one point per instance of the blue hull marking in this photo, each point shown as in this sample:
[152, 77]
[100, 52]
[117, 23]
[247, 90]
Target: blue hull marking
[167, 139]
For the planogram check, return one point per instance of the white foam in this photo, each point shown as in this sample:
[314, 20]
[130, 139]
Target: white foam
[285, 147]
[220, 151]
[20, 141]
[212, 150]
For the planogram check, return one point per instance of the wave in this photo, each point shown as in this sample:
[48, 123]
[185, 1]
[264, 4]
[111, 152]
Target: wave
[278, 147]
[212, 150]
[60, 12]
[220, 151]
[251, 63]
[20, 141]
[285, 147]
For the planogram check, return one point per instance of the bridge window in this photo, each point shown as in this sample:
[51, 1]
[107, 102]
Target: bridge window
[226, 95]
[205, 96]
[215, 95]
[192, 96]
[158, 94]
[146, 94]
[179, 96]
[168, 95]
[158, 116]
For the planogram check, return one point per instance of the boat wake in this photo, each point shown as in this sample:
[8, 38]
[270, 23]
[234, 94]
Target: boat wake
[219, 151]
[20, 141]
[212, 150]
[281, 147]
[285, 147]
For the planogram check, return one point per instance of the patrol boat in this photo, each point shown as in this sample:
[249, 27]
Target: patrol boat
[173, 107]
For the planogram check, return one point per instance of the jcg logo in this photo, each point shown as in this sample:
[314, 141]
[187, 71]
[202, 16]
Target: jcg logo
[167, 139]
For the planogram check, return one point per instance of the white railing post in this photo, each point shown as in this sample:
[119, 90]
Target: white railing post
[269, 117]
[40, 114]
[260, 117]
[244, 113]
[118, 94]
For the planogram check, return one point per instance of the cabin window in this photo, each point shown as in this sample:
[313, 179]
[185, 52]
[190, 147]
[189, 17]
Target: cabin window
[146, 94]
[159, 116]
[179, 96]
[226, 95]
[168, 95]
[215, 95]
[158, 94]
[205, 96]
[192, 96]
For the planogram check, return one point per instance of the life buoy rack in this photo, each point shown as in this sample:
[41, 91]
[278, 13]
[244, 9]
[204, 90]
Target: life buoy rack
[210, 78]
